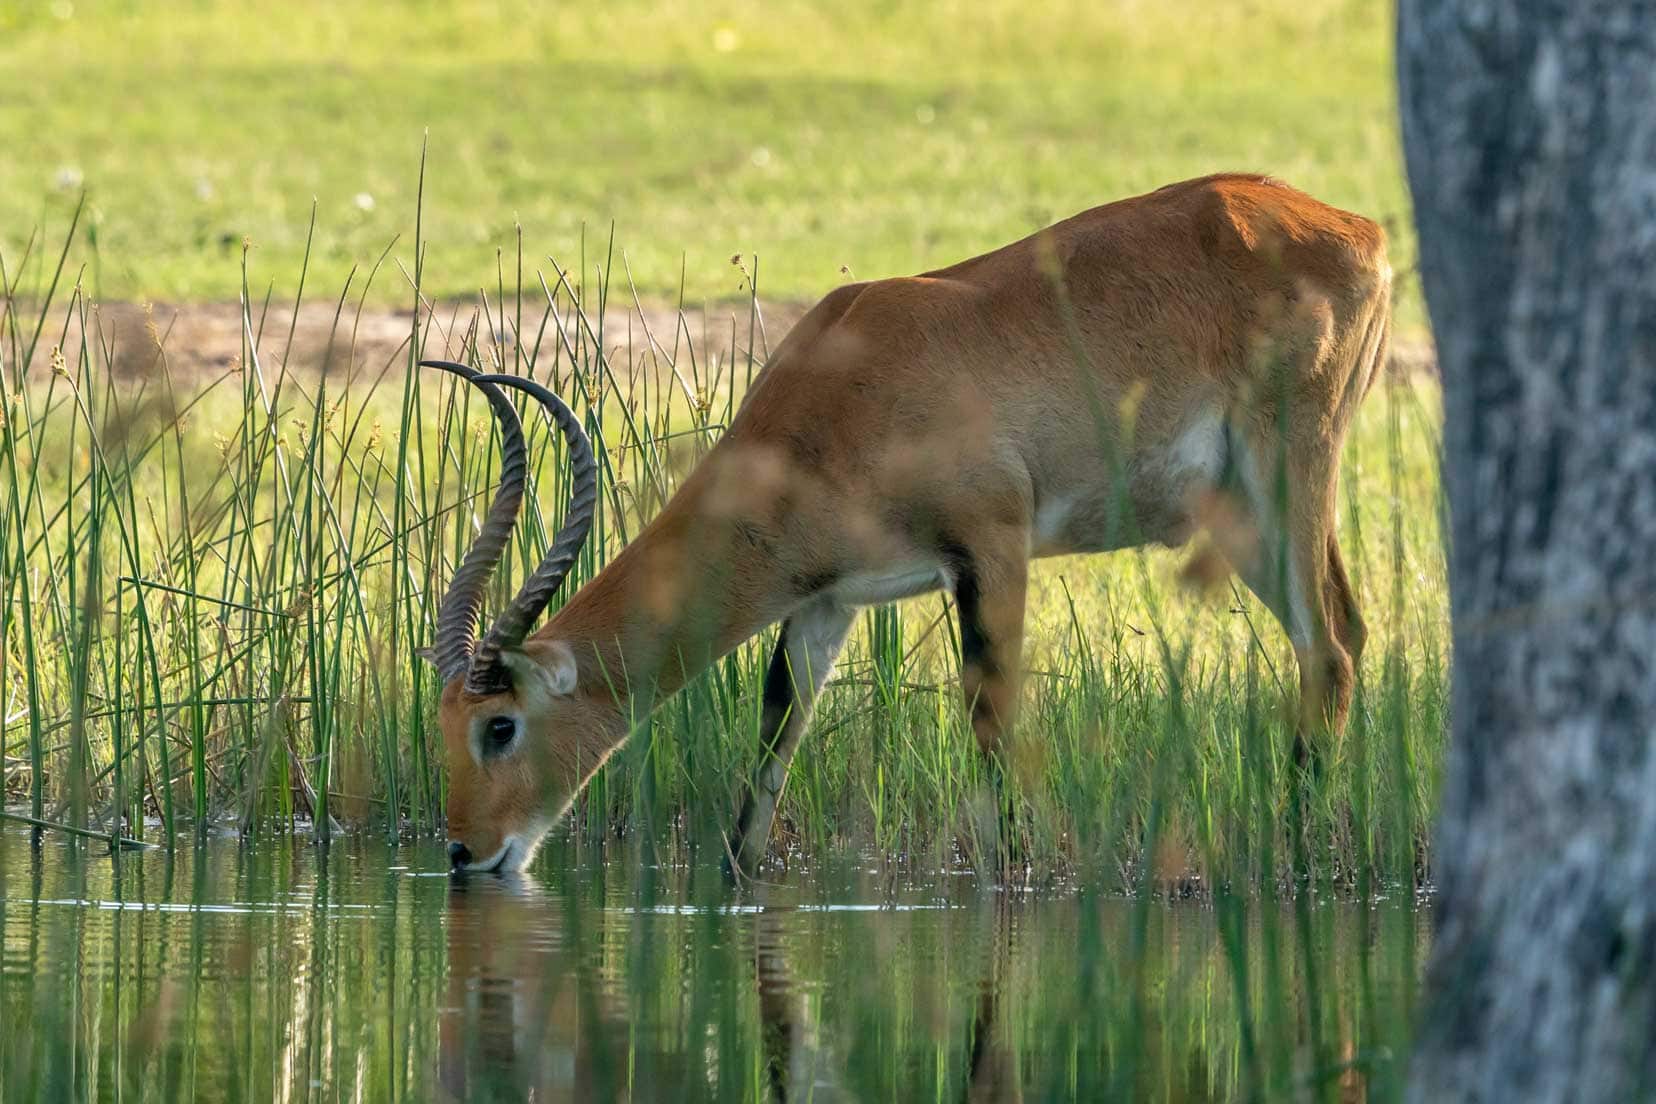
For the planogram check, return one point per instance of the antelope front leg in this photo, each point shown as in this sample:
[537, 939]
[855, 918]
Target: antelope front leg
[989, 590]
[810, 642]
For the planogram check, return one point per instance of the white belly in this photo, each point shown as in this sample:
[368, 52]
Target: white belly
[893, 584]
[1162, 481]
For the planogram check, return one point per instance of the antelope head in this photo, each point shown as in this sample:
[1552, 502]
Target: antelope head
[513, 713]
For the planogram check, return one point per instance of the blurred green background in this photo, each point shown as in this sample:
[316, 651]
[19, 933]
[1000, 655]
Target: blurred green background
[878, 137]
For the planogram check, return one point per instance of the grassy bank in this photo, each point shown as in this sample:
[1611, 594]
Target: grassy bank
[884, 138]
[213, 587]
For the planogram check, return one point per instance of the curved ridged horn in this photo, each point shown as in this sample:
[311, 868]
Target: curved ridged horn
[457, 617]
[515, 621]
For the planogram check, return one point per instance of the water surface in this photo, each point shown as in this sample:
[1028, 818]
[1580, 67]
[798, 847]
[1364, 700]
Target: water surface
[271, 970]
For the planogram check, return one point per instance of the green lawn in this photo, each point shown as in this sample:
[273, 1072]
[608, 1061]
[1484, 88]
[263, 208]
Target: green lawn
[884, 137]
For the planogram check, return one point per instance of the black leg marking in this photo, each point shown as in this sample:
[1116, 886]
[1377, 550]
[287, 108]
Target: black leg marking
[981, 679]
[777, 701]
[778, 696]
[975, 653]
[805, 653]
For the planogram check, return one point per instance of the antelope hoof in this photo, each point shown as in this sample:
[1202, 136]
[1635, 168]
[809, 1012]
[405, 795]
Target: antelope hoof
[750, 838]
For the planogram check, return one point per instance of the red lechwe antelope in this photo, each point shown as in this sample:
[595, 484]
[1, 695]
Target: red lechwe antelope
[1189, 357]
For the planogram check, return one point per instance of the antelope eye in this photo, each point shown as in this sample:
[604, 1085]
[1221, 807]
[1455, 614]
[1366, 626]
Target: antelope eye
[498, 733]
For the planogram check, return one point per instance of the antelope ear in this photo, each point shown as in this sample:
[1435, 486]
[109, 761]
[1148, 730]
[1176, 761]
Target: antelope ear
[542, 668]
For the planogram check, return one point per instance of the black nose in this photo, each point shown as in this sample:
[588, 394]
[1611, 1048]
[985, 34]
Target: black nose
[458, 855]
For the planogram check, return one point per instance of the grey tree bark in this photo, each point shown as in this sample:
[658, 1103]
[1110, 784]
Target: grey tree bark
[1530, 136]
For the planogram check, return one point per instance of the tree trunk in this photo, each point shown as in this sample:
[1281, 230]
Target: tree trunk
[1530, 136]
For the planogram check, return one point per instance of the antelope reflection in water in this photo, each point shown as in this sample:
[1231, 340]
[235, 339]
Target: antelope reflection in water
[530, 1015]
[522, 1019]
